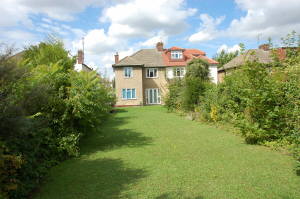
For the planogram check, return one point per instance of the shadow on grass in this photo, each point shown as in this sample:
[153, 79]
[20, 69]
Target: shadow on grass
[176, 195]
[103, 178]
[111, 136]
[94, 176]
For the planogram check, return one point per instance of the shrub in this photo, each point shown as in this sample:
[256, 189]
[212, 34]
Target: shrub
[45, 109]
[195, 82]
[173, 97]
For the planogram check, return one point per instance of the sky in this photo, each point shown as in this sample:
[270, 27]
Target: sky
[125, 26]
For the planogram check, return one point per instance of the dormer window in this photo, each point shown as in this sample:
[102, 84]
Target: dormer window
[176, 54]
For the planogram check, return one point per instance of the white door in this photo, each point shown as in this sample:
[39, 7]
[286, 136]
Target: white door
[152, 96]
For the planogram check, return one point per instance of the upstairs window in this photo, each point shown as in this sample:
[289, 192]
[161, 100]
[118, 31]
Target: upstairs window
[176, 54]
[128, 72]
[179, 72]
[151, 72]
[128, 93]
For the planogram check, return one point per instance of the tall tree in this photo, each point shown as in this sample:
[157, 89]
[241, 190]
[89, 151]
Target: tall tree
[224, 57]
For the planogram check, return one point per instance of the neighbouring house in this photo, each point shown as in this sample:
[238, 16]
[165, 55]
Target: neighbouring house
[80, 65]
[262, 55]
[142, 78]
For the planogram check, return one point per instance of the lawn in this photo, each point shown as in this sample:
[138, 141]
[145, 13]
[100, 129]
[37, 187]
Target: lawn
[147, 153]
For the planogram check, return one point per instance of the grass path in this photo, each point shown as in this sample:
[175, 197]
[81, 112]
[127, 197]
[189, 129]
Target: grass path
[147, 153]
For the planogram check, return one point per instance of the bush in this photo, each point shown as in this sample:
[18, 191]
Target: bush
[46, 108]
[173, 97]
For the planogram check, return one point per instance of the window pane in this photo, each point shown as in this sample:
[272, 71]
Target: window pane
[150, 96]
[128, 93]
[154, 96]
[124, 93]
[155, 73]
[178, 72]
[129, 72]
[133, 93]
[158, 96]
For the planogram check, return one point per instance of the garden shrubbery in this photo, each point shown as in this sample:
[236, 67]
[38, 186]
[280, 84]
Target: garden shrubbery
[45, 108]
[261, 100]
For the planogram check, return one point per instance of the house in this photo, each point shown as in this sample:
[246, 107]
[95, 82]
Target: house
[262, 55]
[80, 65]
[142, 78]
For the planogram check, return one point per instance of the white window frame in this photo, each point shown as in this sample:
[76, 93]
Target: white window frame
[131, 72]
[181, 71]
[176, 54]
[131, 92]
[148, 70]
[147, 92]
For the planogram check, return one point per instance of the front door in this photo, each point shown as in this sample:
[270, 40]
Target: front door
[152, 96]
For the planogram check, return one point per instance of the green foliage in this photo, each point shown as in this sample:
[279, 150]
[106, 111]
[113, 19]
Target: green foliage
[184, 94]
[194, 88]
[46, 108]
[224, 57]
[262, 100]
[197, 68]
[46, 53]
[173, 98]
[195, 82]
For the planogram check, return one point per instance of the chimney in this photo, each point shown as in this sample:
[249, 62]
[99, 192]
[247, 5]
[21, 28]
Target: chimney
[80, 57]
[160, 46]
[116, 58]
[264, 47]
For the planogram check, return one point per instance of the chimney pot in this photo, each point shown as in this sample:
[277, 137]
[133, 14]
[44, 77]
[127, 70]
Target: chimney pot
[116, 58]
[80, 57]
[160, 46]
[264, 47]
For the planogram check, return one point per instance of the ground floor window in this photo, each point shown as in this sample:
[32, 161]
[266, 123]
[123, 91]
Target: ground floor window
[153, 96]
[128, 93]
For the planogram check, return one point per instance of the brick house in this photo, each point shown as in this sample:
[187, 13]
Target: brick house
[142, 78]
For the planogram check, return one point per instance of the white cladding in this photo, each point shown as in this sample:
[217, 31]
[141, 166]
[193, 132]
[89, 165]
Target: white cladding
[213, 73]
[170, 73]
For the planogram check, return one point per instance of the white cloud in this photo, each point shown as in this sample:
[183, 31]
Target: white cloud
[18, 38]
[267, 18]
[144, 18]
[229, 49]
[151, 42]
[208, 29]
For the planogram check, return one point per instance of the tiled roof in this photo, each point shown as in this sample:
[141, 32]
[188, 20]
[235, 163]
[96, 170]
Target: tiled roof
[259, 55]
[145, 57]
[176, 48]
[155, 58]
[188, 55]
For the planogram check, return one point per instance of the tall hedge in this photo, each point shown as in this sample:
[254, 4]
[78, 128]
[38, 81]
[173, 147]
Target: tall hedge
[45, 108]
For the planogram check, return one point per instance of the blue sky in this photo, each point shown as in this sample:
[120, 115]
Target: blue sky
[126, 26]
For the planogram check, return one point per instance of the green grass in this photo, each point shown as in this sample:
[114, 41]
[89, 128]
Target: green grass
[145, 152]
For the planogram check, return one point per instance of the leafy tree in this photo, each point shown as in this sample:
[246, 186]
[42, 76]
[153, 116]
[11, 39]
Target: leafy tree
[46, 53]
[195, 81]
[224, 57]
[45, 108]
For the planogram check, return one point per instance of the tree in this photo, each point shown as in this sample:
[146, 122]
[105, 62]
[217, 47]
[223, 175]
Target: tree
[224, 57]
[195, 81]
